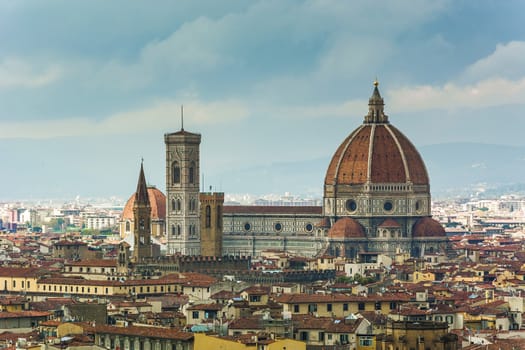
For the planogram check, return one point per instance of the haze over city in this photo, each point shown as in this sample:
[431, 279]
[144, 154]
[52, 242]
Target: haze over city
[273, 87]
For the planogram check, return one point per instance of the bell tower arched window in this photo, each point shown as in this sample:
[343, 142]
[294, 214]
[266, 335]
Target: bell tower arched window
[173, 205]
[175, 173]
[128, 226]
[191, 174]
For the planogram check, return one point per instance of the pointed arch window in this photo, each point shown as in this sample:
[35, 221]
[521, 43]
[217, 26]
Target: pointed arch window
[179, 204]
[173, 205]
[191, 174]
[175, 172]
[208, 216]
[178, 230]
[173, 230]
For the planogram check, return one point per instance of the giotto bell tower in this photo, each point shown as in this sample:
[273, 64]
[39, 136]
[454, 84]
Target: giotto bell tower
[182, 192]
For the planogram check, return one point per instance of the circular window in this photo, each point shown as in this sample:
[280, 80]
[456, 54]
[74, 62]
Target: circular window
[309, 227]
[247, 226]
[278, 226]
[388, 206]
[351, 205]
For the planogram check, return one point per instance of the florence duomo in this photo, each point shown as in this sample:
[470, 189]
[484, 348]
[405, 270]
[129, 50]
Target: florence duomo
[201, 175]
[376, 200]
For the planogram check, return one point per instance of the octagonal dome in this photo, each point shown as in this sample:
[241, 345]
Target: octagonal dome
[428, 227]
[157, 201]
[376, 152]
[346, 228]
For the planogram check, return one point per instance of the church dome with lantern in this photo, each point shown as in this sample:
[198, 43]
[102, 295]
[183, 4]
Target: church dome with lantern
[378, 178]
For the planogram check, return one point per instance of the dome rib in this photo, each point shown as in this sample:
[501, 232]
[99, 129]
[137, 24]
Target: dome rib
[401, 152]
[418, 170]
[370, 153]
[332, 174]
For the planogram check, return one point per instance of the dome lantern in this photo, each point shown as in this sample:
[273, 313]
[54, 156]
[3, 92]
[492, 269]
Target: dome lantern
[376, 104]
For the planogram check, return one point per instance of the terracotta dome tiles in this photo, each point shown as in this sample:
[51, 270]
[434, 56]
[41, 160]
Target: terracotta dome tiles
[157, 201]
[392, 158]
[428, 227]
[387, 162]
[346, 228]
[350, 164]
[389, 223]
[418, 171]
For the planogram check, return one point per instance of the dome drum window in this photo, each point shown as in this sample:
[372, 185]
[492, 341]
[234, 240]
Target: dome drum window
[309, 227]
[418, 206]
[351, 205]
[278, 227]
[247, 227]
[388, 206]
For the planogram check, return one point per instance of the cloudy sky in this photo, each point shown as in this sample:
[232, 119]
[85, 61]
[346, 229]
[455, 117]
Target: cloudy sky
[88, 88]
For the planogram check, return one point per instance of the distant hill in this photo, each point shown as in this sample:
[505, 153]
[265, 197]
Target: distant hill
[459, 167]
[454, 169]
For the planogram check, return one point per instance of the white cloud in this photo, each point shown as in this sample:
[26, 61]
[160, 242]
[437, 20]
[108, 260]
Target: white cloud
[17, 73]
[505, 62]
[485, 93]
[163, 115]
[495, 80]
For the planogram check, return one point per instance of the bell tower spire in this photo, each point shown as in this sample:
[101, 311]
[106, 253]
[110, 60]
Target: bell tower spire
[142, 220]
[376, 104]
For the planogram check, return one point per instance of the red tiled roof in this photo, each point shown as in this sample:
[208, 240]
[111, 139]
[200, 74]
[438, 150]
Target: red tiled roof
[24, 314]
[93, 263]
[147, 332]
[390, 223]
[215, 307]
[21, 272]
[331, 298]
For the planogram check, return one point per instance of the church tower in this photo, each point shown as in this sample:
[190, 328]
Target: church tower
[182, 192]
[211, 223]
[142, 220]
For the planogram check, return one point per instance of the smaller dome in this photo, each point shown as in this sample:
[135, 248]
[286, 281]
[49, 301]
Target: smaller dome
[428, 227]
[346, 228]
[157, 201]
[390, 223]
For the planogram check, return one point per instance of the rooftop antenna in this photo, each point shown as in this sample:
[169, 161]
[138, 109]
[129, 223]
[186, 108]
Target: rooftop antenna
[181, 117]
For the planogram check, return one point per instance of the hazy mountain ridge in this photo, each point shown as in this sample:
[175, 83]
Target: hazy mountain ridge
[454, 169]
